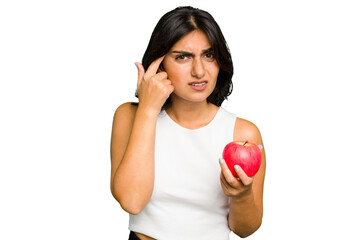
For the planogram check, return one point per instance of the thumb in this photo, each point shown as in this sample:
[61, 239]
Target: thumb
[141, 72]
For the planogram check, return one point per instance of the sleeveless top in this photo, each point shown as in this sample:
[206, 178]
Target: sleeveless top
[187, 200]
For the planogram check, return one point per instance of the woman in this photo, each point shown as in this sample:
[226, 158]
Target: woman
[164, 150]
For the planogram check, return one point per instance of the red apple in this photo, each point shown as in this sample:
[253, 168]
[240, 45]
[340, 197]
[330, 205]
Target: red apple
[245, 154]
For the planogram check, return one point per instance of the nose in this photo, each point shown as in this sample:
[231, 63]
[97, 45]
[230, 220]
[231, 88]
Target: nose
[198, 68]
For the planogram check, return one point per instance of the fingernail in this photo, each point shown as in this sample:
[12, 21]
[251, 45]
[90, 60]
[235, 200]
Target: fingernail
[221, 160]
[261, 147]
[237, 167]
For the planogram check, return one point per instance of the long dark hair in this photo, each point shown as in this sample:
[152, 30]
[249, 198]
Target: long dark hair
[181, 21]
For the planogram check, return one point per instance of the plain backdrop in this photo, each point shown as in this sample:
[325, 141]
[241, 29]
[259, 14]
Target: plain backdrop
[65, 66]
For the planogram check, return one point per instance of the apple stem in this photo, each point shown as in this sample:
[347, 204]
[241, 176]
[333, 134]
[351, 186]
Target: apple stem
[245, 142]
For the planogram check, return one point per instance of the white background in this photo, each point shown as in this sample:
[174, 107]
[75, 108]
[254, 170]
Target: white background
[66, 65]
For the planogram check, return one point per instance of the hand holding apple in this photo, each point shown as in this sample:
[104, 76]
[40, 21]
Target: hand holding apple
[245, 154]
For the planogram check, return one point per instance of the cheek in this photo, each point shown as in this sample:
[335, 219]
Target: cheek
[212, 68]
[176, 73]
[215, 72]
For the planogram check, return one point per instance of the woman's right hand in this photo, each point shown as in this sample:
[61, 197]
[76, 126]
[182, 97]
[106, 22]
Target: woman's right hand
[153, 87]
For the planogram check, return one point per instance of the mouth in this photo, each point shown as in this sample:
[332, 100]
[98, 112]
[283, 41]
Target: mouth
[198, 85]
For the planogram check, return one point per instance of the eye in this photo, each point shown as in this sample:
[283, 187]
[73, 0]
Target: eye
[210, 55]
[182, 57]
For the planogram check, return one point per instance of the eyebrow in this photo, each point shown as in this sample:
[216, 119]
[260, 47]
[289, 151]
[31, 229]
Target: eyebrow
[209, 50]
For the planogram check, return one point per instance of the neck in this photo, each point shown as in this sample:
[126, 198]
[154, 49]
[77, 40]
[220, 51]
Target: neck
[191, 115]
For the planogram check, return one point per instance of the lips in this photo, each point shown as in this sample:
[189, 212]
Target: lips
[198, 85]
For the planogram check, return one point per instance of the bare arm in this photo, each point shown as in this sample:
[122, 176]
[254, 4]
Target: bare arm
[133, 141]
[246, 194]
[133, 161]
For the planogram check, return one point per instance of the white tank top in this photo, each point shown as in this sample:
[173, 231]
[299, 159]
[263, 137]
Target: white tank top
[187, 201]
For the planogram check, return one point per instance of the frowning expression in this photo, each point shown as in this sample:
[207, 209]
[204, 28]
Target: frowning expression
[192, 67]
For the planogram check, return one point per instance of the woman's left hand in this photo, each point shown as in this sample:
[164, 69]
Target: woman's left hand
[233, 187]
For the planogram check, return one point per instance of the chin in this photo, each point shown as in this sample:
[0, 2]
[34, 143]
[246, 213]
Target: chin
[197, 99]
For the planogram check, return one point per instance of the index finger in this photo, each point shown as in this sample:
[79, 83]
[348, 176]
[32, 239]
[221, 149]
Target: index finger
[154, 66]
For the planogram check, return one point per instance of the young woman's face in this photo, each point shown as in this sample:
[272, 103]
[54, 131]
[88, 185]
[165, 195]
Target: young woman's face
[192, 67]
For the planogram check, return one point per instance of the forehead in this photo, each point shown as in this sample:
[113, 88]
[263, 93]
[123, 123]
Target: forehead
[194, 41]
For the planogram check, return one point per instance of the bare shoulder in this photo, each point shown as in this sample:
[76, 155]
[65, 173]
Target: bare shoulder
[123, 121]
[127, 109]
[245, 130]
